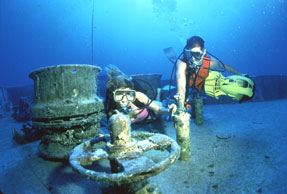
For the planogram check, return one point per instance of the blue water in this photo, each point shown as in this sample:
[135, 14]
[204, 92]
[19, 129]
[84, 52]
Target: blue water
[250, 35]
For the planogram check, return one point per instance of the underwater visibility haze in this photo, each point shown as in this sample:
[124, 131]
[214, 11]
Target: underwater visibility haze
[213, 143]
[249, 35]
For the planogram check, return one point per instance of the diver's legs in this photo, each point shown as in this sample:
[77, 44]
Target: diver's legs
[198, 111]
[192, 108]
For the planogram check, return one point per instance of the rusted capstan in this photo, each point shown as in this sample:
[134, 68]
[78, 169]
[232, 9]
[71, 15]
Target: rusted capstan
[66, 107]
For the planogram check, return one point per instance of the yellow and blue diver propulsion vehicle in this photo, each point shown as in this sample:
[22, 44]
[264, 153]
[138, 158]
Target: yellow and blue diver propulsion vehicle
[237, 87]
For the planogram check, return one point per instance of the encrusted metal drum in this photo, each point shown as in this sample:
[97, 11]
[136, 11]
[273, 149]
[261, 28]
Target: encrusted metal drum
[66, 106]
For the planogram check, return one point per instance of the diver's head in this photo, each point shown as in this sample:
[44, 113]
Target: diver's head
[195, 41]
[194, 51]
[123, 92]
[123, 97]
[117, 82]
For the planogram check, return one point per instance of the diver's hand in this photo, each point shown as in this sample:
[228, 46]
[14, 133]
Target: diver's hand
[180, 99]
[244, 75]
[172, 109]
[180, 102]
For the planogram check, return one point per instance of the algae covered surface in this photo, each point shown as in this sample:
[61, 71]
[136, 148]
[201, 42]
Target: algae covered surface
[239, 148]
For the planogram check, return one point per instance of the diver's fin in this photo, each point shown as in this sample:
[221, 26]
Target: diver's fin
[168, 87]
[170, 53]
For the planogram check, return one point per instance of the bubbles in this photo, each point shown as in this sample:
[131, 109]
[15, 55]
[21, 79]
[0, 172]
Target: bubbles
[171, 14]
[164, 6]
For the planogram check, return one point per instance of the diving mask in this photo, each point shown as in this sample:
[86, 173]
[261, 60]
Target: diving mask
[120, 94]
[194, 57]
[197, 55]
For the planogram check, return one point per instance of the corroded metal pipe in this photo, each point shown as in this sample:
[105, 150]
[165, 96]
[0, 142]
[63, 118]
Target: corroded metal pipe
[120, 129]
[181, 122]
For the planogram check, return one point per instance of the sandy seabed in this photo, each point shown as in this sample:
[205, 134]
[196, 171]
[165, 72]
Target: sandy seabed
[240, 148]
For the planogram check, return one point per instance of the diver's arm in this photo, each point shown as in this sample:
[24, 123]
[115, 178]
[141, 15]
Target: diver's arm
[181, 79]
[229, 68]
[141, 97]
[159, 110]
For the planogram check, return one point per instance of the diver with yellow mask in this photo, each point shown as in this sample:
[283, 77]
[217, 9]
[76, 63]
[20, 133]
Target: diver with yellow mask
[122, 95]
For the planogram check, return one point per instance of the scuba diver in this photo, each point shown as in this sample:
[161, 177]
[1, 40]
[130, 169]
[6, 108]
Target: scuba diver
[196, 70]
[124, 97]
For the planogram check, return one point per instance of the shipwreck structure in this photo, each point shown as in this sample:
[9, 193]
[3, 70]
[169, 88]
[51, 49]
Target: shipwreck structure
[66, 107]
